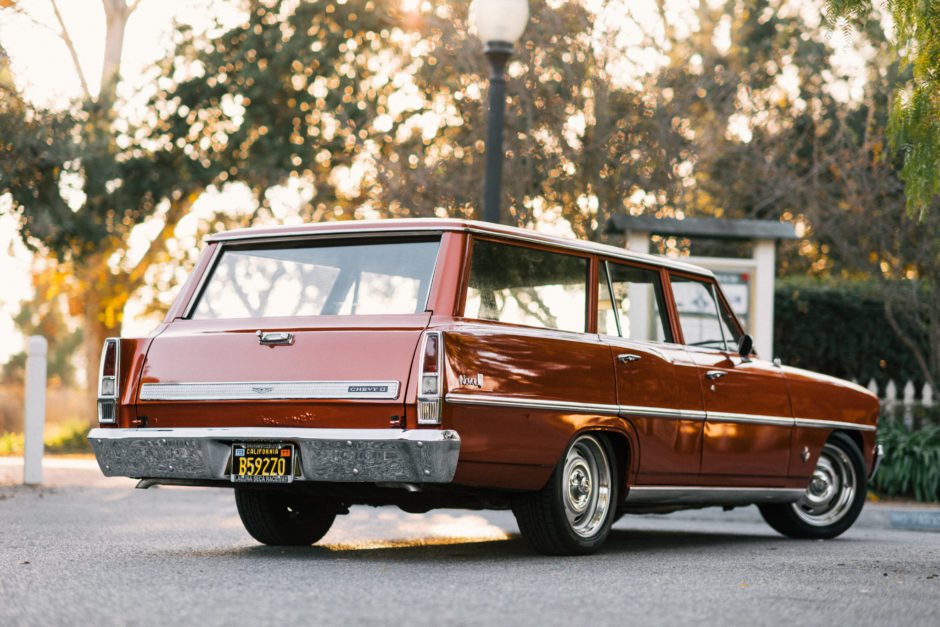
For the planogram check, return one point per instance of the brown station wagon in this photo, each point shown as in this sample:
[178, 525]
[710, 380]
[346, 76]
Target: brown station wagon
[449, 363]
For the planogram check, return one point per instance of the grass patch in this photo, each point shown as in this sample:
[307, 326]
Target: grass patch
[67, 437]
[11, 444]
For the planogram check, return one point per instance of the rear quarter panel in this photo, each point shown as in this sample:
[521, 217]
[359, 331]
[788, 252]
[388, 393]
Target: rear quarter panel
[517, 447]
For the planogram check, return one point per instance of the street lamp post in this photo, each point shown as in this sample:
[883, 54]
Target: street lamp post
[499, 24]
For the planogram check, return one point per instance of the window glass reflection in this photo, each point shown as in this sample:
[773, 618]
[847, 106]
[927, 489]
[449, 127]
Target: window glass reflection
[335, 279]
[527, 286]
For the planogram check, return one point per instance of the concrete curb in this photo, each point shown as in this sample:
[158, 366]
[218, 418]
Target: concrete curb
[875, 515]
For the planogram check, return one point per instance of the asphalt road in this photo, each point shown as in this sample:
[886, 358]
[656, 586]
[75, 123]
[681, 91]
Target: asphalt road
[94, 551]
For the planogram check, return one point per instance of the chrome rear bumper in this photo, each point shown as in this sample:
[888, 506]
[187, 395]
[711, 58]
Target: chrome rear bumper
[353, 455]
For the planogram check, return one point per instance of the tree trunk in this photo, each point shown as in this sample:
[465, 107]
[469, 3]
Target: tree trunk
[116, 13]
[96, 328]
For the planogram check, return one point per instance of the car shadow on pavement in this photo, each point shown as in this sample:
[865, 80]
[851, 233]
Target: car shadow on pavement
[622, 542]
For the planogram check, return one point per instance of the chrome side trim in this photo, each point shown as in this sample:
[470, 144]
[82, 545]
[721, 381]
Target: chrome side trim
[720, 416]
[268, 390]
[832, 424]
[654, 412]
[592, 408]
[342, 455]
[488, 400]
[682, 495]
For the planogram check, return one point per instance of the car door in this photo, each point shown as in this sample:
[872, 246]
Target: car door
[664, 411]
[748, 417]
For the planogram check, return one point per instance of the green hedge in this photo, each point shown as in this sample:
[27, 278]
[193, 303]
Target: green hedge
[911, 466]
[841, 330]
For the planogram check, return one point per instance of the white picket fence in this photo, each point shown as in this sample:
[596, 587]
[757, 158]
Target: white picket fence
[904, 406]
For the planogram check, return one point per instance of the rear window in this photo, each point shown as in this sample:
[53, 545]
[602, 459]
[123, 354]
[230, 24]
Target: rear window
[329, 278]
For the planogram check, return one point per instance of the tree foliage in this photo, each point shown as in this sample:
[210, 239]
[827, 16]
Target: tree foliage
[915, 114]
[289, 93]
[79, 193]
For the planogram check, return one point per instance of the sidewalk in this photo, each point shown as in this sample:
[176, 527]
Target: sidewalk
[84, 472]
[875, 515]
[61, 472]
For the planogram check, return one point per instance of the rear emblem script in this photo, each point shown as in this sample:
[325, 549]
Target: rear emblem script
[473, 382]
[367, 389]
[263, 390]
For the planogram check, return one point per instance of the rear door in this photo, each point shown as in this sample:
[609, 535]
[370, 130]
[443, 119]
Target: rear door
[311, 333]
[665, 412]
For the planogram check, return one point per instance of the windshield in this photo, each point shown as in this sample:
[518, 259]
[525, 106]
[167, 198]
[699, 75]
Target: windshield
[317, 279]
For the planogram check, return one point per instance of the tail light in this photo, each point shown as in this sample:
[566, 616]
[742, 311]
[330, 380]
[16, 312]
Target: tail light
[429, 379]
[108, 380]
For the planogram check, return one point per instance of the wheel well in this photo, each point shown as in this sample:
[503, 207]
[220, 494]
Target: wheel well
[855, 437]
[621, 447]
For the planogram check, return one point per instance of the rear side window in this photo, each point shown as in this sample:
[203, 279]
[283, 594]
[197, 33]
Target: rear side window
[527, 286]
[630, 303]
[330, 278]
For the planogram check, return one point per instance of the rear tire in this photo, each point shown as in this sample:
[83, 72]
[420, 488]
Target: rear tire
[284, 518]
[833, 499]
[573, 513]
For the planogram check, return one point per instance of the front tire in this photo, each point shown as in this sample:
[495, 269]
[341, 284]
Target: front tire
[832, 501]
[573, 513]
[282, 518]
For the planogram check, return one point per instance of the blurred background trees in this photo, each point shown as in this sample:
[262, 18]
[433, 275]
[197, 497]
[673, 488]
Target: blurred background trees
[282, 110]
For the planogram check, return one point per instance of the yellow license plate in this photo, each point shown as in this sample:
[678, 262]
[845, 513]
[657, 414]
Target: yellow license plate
[262, 463]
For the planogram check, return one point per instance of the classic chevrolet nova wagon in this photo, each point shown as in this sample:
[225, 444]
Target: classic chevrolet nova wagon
[448, 363]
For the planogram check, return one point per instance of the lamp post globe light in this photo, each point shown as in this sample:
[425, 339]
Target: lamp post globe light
[499, 24]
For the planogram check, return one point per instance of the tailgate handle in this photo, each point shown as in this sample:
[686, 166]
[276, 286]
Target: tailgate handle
[275, 338]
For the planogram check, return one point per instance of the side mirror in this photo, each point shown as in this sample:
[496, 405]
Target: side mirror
[745, 347]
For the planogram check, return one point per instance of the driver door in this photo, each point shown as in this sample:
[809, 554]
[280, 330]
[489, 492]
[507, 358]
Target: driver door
[748, 419]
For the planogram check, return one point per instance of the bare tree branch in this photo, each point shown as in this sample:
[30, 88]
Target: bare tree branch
[911, 344]
[71, 46]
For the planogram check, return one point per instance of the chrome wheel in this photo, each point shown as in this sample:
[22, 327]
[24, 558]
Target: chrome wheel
[572, 513]
[586, 480]
[833, 499]
[831, 490]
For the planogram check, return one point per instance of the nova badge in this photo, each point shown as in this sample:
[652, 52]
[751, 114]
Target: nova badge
[471, 382]
[263, 389]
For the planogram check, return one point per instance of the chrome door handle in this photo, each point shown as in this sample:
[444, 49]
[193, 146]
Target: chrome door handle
[714, 375]
[275, 338]
[626, 358]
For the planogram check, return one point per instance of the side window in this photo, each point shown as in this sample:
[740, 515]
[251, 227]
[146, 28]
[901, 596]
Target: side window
[631, 304]
[704, 321]
[527, 286]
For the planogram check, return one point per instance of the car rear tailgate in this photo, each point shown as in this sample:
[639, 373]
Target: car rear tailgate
[328, 372]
